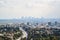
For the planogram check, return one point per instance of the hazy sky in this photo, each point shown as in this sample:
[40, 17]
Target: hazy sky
[35, 8]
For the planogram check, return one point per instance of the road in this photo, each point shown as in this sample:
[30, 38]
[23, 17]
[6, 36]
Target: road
[24, 33]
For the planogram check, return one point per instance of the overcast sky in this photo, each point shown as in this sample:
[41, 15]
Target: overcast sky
[36, 8]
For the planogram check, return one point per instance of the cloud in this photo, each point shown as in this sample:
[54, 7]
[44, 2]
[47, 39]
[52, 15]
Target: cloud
[36, 8]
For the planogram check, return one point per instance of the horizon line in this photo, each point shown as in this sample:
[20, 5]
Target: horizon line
[32, 17]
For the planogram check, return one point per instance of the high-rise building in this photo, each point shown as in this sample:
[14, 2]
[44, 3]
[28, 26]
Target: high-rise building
[49, 23]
